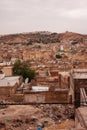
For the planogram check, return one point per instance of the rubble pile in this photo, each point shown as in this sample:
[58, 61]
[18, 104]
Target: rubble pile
[29, 117]
[58, 112]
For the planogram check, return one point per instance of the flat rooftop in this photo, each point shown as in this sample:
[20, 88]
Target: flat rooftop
[80, 73]
[9, 81]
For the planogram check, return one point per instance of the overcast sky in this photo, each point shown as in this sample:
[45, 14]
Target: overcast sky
[18, 16]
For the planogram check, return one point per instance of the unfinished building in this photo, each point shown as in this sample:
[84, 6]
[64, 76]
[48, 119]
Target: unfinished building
[78, 86]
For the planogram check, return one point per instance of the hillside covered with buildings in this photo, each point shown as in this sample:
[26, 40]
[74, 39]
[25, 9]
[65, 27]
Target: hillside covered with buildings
[57, 91]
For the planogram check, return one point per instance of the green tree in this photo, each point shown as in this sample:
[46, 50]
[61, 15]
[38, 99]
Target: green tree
[58, 56]
[23, 69]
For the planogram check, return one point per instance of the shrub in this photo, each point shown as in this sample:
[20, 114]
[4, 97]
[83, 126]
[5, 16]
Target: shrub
[58, 56]
[23, 69]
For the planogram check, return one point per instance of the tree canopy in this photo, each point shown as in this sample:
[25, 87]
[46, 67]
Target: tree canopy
[23, 69]
[58, 56]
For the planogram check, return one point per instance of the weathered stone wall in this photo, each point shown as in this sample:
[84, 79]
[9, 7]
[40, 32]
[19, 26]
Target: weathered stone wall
[52, 82]
[46, 97]
[5, 90]
[17, 97]
[8, 90]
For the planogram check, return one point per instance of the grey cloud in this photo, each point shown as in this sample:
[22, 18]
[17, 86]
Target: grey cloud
[51, 15]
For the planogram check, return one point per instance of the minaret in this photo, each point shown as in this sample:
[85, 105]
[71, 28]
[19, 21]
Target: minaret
[61, 48]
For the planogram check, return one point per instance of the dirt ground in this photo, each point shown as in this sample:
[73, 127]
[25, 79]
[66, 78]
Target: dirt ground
[29, 117]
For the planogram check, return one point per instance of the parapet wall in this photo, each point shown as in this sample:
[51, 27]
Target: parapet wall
[17, 97]
[46, 97]
[8, 90]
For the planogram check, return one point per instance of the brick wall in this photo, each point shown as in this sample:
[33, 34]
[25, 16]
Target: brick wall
[52, 82]
[46, 97]
[8, 90]
[17, 97]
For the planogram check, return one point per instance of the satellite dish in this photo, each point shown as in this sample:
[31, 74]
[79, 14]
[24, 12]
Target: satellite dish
[26, 80]
[2, 76]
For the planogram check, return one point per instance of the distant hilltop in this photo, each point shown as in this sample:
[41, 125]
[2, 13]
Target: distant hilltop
[42, 37]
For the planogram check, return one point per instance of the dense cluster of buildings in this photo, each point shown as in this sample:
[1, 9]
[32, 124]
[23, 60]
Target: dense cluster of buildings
[56, 87]
[58, 80]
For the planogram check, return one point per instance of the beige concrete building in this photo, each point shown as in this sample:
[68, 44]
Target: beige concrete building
[9, 85]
